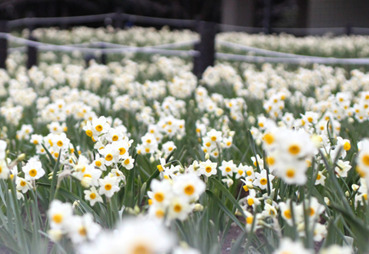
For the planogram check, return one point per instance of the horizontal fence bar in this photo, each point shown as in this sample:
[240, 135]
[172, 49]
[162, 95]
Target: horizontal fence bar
[160, 21]
[304, 60]
[100, 17]
[62, 20]
[260, 51]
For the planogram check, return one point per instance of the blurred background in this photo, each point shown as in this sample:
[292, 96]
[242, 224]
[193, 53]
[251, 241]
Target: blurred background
[267, 14]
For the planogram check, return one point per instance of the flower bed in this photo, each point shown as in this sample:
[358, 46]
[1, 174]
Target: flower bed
[139, 156]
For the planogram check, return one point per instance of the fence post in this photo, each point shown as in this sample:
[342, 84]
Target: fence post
[267, 16]
[3, 44]
[348, 29]
[31, 50]
[118, 19]
[31, 53]
[206, 47]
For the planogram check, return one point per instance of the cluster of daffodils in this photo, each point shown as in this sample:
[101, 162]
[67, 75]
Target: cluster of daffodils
[175, 198]
[220, 74]
[63, 222]
[216, 105]
[167, 127]
[288, 246]
[289, 154]
[301, 117]
[340, 46]
[104, 171]
[213, 141]
[57, 144]
[182, 85]
[275, 104]
[136, 36]
[132, 235]
[25, 179]
[296, 213]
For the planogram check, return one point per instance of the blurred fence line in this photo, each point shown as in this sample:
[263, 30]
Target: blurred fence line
[203, 52]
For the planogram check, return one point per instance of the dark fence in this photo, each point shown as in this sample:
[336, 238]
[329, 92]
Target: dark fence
[204, 51]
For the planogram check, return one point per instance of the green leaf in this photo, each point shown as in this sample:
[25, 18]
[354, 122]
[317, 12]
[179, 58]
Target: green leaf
[226, 192]
[225, 209]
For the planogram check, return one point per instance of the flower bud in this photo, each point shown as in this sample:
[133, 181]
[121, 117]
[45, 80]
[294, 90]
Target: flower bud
[198, 208]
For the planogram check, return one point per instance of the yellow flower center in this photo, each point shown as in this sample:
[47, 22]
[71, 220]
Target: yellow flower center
[108, 157]
[360, 172]
[92, 195]
[270, 160]
[263, 181]
[115, 138]
[108, 186]
[99, 128]
[290, 173]
[347, 146]
[208, 169]
[98, 163]
[294, 149]
[159, 213]
[228, 169]
[141, 249]
[249, 220]
[82, 231]
[268, 138]
[189, 190]
[33, 172]
[311, 211]
[159, 196]
[365, 160]
[250, 201]
[177, 208]
[126, 161]
[122, 151]
[23, 183]
[89, 133]
[160, 168]
[287, 214]
[57, 218]
[59, 143]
